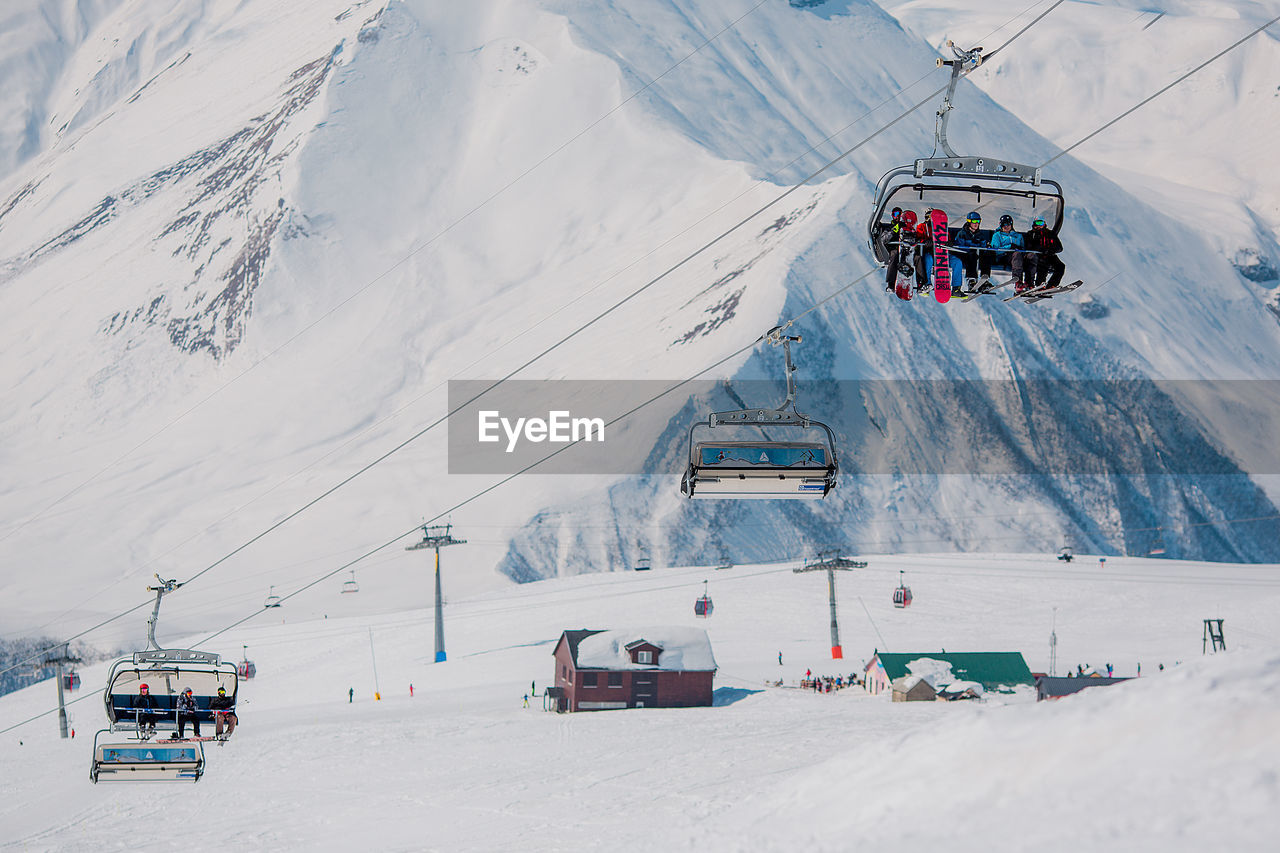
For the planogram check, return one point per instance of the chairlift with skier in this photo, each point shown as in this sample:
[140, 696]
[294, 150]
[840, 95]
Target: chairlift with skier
[961, 185]
[162, 675]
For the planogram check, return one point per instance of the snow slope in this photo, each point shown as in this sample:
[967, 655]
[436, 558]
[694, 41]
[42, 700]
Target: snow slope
[1179, 760]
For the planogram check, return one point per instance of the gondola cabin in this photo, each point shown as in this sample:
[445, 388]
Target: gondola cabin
[71, 681]
[902, 595]
[246, 669]
[702, 608]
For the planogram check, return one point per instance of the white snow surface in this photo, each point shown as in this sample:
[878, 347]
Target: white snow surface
[687, 649]
[1182, 759]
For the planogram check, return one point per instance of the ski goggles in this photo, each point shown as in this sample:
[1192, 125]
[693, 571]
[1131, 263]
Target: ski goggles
[1039, 223]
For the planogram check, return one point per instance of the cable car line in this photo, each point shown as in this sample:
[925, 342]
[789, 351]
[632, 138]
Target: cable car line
[1152, 97]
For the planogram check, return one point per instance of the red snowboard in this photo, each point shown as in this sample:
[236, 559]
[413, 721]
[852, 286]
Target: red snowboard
[941, 256]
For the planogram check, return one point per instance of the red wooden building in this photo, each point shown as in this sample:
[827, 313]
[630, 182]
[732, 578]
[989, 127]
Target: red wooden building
[670, 667]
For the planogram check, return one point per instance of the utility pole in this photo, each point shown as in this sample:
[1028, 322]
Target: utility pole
[1053, 644]
[63, 657]
[832, 563]
[437, 537]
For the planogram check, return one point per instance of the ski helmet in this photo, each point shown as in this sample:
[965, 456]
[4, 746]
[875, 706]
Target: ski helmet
[974, 216]
[1038, 223]
[143, 687]
[896, 212]
[909, 218]
[1006, 220]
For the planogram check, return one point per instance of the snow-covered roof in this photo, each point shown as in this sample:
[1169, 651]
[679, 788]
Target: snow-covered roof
[682, 649]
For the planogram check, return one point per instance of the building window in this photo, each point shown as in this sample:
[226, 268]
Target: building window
[615, 679]
[564, 671]
[588, 679]
[644, 657]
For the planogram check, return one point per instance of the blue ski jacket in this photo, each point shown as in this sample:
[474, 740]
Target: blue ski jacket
[967, 239]
[1005, 241]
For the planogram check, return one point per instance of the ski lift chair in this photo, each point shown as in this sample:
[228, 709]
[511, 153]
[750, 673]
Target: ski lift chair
[272, 600]
[767, 468]
[142, 761]
[167, 673]
[351, 585]
[958, 184]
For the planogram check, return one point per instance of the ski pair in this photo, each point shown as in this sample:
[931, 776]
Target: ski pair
[1045, 292]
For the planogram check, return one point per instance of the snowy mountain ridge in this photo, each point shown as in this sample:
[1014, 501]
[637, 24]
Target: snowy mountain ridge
[347, 204]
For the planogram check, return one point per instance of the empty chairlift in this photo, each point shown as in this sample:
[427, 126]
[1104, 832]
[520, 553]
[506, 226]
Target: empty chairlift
[272, 599]
[351, 585]
[765, 467]
[902, 595]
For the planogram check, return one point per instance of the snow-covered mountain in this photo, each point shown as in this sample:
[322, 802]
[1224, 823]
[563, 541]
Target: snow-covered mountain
[243, 248]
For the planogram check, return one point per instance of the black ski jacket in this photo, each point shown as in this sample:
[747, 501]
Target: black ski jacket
[1044, 241]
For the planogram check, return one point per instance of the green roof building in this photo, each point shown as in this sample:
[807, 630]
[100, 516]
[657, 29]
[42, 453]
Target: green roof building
[999, 671]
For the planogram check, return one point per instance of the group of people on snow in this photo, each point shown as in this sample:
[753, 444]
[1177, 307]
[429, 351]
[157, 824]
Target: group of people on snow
[1032, 257]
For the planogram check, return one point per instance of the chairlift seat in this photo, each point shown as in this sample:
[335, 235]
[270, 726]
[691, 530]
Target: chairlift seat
[167, 672]
[1025, 203]
[761, 469]
[146, 761]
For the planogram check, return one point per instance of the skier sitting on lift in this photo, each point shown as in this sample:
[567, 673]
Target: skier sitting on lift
[145, 705]
[976, 262]
[223, 707]
[187, 711]
[1046, 245]
[1005, 243]
[886, 235]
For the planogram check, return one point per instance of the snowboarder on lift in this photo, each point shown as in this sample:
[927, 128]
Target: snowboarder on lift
[902, 246]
